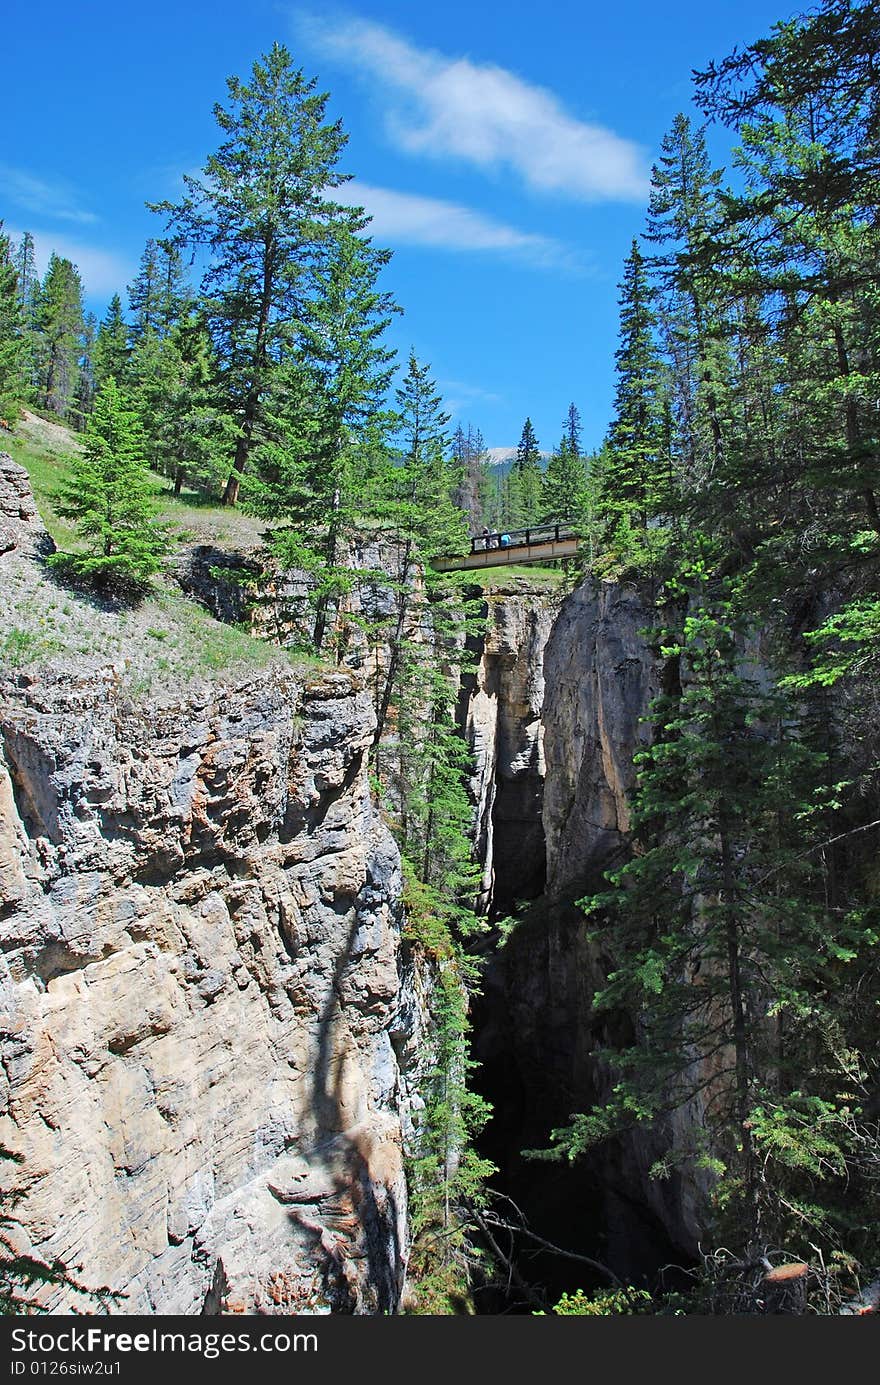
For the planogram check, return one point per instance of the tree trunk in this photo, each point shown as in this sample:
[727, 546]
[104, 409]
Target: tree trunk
[785, 1289]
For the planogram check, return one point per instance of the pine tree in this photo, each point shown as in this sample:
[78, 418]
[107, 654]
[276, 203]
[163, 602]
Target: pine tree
[684, 189]
[160, 293]
[60, 324]
[636, 475]
[468, 485]
[325, 422]
[421, 513]
[186, 433]
[108, 493]
[28, 302]
[726, 955]
[262, 209]
[563, 491]
[524, 490]
[85, 385]
[110, 354]
[12, 370]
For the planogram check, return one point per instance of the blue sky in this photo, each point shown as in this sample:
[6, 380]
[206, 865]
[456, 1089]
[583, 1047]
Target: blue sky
[503, 149]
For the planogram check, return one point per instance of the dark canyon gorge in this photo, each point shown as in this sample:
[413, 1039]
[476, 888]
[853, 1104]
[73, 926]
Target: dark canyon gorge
[215, 1033]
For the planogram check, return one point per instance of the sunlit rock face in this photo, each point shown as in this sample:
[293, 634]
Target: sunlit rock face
[200, 914]
[503, 724]
[600, 676]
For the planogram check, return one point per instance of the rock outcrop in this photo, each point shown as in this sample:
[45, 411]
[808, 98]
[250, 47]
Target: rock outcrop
[537, 1038]
[200, 918]
[601, 676]
[503, 725]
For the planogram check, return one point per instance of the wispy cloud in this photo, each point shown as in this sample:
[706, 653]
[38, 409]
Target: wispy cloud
[32, 194]
[103, 272]
[482, 114]
[468, 392]
[406, 219]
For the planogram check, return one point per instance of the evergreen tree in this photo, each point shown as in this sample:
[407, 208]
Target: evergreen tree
[110, 353]
[468, 484]
[683, 203]
[636, 474]
[28, 299]
[12, 370]
[262, 209]
[526, 478]
[60, 324]
[423, 516]
[326, 420]
[85, 385]
[726, 955]
[159, 293]
[185, 431]
[108, 493]
[563, 491]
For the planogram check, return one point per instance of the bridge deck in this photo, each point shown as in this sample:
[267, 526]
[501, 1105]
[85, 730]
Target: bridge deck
[539, 544]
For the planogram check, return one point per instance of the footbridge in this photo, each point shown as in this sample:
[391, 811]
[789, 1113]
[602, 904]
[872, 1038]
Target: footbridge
[538, 544]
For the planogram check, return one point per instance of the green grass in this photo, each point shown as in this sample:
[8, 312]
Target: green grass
[523, 574]
[167, 640]
[45, 468]
[194, 517]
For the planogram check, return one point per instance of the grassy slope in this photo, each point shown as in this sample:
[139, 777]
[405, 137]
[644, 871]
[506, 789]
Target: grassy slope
[167, 640]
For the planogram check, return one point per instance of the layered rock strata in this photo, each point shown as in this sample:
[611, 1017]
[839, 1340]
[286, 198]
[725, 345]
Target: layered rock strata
[200, 916]
[503, 725]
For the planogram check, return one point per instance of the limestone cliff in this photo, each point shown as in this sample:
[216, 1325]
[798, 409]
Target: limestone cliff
[538, 1042]
[206, 1023]
[502, 717]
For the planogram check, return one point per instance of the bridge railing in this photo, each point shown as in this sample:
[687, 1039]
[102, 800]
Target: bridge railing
[516, 538]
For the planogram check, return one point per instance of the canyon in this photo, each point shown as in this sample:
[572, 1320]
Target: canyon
[214, 1031]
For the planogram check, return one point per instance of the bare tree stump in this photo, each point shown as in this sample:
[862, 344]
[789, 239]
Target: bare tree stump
[785, 1289]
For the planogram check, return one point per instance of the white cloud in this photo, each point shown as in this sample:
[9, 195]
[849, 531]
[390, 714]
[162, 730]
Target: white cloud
[103, 272]
[407, 219]
[483, 114]
[32, 194]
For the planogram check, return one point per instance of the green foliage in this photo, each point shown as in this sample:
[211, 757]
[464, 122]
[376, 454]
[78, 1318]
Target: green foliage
[263, 211]
[523, 497]
[110, 355]
[445, 1175]
[108, 493]
[724, 951]
[604, 1303]
[60, 324]
[12, 360]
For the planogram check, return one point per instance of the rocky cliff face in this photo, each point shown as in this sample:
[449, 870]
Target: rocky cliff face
[601, 677]
[537, 1040]
[503, 725]
[208, 1041]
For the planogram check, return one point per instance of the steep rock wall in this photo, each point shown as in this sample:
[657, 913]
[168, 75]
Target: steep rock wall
[209, 1037]
[503, 727]
[538, 1041]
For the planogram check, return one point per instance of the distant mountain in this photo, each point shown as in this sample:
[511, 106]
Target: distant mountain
[504, 457]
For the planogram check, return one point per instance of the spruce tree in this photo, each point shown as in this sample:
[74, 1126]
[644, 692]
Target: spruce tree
[110, 354]
[262, 210]
[636, 474]
[108, 493]
[325, 422]
[524, 500]
[60, 324]
[563, 490]
[12, 370]
[159, 294]
[422, 517]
